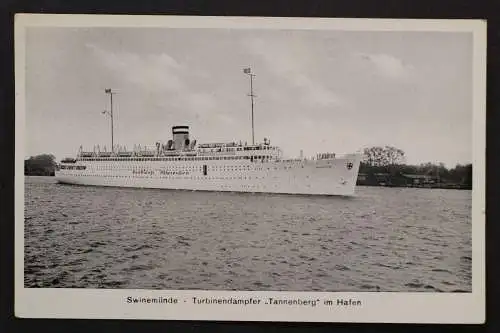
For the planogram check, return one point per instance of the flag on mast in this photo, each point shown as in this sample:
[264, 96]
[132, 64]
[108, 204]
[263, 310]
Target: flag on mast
[107, 91]
[247, 70]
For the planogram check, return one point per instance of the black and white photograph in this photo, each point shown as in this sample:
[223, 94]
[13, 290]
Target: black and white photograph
[250, 168]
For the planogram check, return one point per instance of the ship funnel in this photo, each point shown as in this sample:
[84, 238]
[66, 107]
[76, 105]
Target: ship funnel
[180, 135]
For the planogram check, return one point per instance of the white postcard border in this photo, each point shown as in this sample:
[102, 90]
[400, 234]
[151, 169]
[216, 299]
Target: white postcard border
[377, 307]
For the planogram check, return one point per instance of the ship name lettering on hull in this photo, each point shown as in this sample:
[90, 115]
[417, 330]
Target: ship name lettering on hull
[161, 172]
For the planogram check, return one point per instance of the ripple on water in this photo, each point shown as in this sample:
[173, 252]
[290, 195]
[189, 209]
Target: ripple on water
[78, 236]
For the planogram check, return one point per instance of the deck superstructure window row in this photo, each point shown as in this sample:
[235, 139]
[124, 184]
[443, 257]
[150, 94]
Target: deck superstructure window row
[175, 159]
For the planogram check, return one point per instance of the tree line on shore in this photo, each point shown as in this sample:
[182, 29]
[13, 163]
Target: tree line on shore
[381, 166]
[40, 165]
[385, 166]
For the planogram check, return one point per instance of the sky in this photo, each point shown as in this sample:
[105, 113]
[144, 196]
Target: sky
[317, 91]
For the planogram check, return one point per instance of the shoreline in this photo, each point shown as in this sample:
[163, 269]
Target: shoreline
[430, 187]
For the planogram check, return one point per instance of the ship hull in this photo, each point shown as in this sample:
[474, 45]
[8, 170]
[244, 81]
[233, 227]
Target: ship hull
[314, 177]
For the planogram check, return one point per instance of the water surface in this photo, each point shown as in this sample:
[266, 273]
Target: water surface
[385, 239]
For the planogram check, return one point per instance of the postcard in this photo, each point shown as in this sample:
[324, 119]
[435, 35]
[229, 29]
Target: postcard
[250, 168]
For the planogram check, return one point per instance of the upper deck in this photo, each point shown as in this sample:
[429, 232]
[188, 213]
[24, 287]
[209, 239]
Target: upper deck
[209, 151]
[181, 148]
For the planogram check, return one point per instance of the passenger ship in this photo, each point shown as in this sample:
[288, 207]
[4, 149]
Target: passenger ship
[181, 163]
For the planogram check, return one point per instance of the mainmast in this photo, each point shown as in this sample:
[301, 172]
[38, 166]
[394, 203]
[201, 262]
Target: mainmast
[110, 113]
[248, 71]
